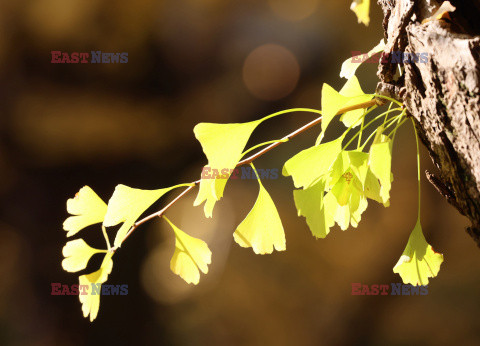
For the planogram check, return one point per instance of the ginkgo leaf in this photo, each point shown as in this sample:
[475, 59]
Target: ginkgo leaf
[332, 101]
[344, 188]
[359, 165]
[223, 145]
[347, 189]
[362, 10]
[91, 301]
[77, 253]
[127, 204]
[380, 163]
[191, 254]
[349, 66]
[209, 190]
[372, 188]
[310, 164]
[309, 203]
[418, 261]
[358, 204]
[353, 90]
[339, 167]
[262, 228]
[350, 213]
[87, 209]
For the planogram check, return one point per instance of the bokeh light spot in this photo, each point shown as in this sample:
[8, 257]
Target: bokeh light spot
[271, 72]
[293, 10]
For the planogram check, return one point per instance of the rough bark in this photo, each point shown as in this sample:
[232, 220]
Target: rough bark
[443, 95]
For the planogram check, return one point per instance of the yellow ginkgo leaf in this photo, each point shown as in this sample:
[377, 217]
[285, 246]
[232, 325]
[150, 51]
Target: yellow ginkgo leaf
[380, 162]
[87, 209]
[332, 101]
[418, 261]
[223, 145]
[354, 92]
[77, 253]
[349, 66]
[209, 190]
[127, 204]
[350, 201]
[362, 10]
[311, 164]
[91, 300]
[191, 255]
[372, 188]
[310, 204]
[262, 228]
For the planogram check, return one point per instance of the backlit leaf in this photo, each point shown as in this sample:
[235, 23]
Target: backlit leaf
[262, 228]
[349, 66]
[333, 101]
[418, 261]
[362, 10]
[309, 203]
[87, 209]
[127, 204]
[381, 164]
[353, 90]
[77, 253]
[310, 164]
[91, 300]
[191, 255]
[223, 145]
[372, 188]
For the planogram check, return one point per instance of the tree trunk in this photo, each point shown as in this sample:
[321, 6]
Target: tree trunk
[442, 94]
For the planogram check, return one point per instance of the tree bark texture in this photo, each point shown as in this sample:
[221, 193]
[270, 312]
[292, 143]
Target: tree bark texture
[442, 95]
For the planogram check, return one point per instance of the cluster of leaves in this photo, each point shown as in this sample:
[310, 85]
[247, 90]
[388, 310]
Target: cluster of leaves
[125, 206]
[334, 181]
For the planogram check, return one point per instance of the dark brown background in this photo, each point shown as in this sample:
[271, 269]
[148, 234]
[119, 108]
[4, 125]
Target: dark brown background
[65, 126]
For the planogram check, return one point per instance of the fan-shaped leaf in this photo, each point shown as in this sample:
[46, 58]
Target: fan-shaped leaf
[262, 228]
[418, 261]
[191, 254]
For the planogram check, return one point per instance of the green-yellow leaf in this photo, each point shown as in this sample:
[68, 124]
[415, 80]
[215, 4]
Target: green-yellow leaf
[350, 213]
[354, 92]
[310, 164]
[359, 165]
[332, 101]
[77, 253]
[309, 203]
[262, 228]
[191, 254]
[349, 67]
[127, 204]
[372, 188]
[87, 209]
[339, 167]
[380, 163]
[418, 261]
[90, 301]
[362, 10]
[344, 188]
[223, 145]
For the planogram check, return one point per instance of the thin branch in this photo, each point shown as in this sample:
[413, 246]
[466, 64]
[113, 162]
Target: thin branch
[248, 160]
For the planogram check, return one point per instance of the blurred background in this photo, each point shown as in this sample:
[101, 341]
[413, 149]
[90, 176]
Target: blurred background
[63, 126]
